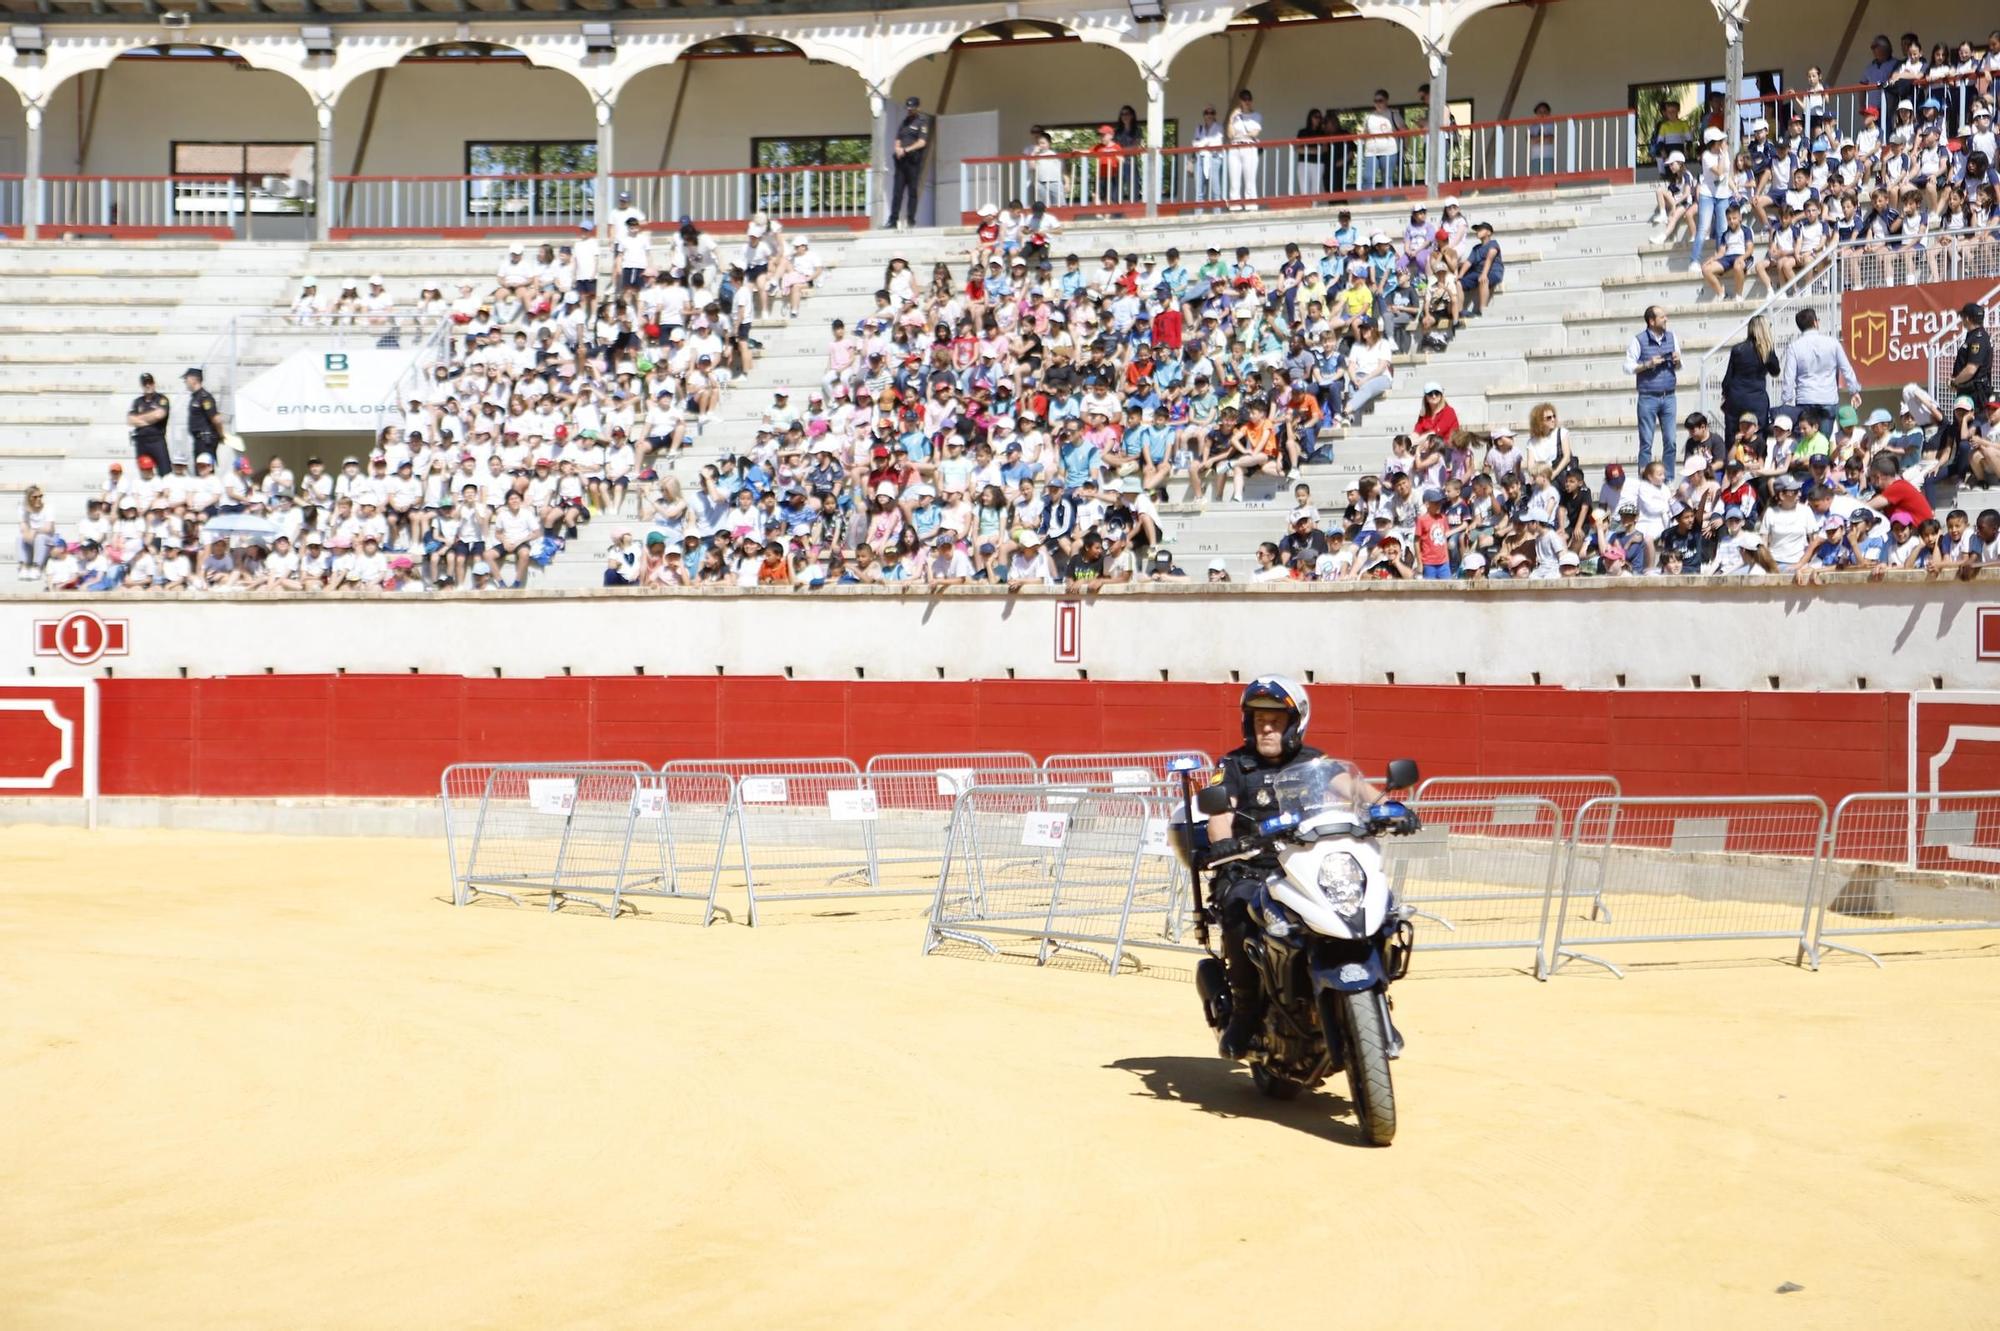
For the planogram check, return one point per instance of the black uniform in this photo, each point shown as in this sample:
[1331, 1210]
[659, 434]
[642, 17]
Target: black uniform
[1977, 351]
[201, 420]
[1249, 778]
[150, 441]
[915, 129]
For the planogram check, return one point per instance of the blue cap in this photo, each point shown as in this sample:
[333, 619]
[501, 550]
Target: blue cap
[1732, 511]
[1878, 417]
[1433, 495]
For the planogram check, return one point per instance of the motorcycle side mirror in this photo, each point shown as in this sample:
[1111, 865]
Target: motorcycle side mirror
[1212, 800]
[1403, 774]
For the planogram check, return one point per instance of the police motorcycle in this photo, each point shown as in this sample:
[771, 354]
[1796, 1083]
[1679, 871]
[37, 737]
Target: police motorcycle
[1328, 936]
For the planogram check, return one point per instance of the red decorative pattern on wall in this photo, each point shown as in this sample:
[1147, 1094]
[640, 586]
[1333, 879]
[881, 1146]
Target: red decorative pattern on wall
[351, 735]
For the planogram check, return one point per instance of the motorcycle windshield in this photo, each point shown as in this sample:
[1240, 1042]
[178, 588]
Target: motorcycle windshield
[1322, 788]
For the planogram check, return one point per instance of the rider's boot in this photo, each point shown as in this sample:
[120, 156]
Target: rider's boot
[1246, 997]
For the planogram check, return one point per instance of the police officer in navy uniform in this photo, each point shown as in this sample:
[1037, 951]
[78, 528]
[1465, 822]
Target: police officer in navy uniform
[1275, 713]
[1972, 369]
[148, 418]
[204, 416]
[913, 140]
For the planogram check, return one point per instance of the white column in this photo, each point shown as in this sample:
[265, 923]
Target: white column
[323, 204]
[606, 197]
[879, 169]
[1731, 13]
[1156, 132]
[1435, 162]
[31, 181]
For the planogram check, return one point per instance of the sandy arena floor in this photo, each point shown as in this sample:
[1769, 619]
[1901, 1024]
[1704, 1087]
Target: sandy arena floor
[278, 1083]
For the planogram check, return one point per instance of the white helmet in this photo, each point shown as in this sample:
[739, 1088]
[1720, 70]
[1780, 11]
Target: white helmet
[1278, 691]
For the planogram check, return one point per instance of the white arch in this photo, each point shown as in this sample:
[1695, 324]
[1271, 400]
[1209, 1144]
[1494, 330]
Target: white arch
[72, 52]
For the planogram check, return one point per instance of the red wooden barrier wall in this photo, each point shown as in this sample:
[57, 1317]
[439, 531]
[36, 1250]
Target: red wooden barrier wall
[354, 735]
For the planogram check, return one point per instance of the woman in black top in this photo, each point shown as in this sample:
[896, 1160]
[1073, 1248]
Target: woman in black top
[1752, 365]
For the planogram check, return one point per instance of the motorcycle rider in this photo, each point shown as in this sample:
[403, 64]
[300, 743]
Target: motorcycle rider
[1276, 711]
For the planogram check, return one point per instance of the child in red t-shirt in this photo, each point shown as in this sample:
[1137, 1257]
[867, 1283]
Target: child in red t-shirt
[1434, 538]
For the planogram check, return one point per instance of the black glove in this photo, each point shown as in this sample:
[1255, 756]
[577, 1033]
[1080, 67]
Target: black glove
[1405, 823]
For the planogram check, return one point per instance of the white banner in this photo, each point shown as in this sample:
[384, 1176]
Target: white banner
[349, 389]
[552, 795]
[1044, 829]
[762, 789]
[850, 806]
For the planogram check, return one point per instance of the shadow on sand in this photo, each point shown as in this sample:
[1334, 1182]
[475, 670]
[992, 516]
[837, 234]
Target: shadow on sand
[1216, 1086]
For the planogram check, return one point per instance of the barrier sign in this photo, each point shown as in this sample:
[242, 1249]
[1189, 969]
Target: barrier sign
[555, 796]
[1888, 330]
[1046, 830]
[850, 806]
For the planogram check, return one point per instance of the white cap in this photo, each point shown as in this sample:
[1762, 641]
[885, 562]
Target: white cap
[1348, 483]
[1568, 559]
[989, 210]
[1218, 565]
[1781, 421]
[1434, 387]
[1676, 158]
[1750, 540]
[1379, 238]
[376, 280]
[1473, 560]
[1503, 432]
[1304, 511]
[1712, 135]
[1030, 539]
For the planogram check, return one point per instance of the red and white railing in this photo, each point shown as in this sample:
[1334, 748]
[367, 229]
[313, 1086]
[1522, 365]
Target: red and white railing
[724, 199]
[1594, 148]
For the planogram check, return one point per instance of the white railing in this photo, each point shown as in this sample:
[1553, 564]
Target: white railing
[122, 204]
[727, 199]
[828, 195]
[1289, 173]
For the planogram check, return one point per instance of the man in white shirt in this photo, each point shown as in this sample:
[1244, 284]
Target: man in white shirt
[1379, 151]
[517, 528]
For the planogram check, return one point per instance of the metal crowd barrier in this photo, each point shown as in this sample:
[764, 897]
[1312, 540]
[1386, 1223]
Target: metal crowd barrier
[1068, 876]
[805, 826]
[1567, 793]
[1481, 874]
[561, 829]
[1670, 870]
[1907, 863]
[463, 790]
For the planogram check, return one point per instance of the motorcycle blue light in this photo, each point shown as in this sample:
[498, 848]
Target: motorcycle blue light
[1279, 823]
[1185, 765]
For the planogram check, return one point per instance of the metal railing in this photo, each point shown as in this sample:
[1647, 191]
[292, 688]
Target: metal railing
[1844, 109]
[798, 195]
[1499, 154]
[390, 205]
[726, 199]
[122, 205]
[13, 203]
[1850, 265]
[1674, 870]
[1907, 863]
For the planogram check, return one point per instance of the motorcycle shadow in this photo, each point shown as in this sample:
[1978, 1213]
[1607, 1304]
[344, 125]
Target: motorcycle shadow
[1224, 1089]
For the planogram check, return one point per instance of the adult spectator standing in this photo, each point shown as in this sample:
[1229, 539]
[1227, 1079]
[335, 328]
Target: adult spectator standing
[1209, 183]
[148, 419]
[1972, 369]
[1816, 369]
[1653, 357]
[1378, 152]
[1244, 129]
[1746, 383]
[204, 416]
[913, 141]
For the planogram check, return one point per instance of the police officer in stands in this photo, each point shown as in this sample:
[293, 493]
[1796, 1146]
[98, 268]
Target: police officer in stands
[1972, 368]
[148, 419]
[913, 140]
[204, 416]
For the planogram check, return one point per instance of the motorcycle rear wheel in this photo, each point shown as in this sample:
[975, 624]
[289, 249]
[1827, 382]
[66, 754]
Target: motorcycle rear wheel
[1272, 1086]
[1365, 1035]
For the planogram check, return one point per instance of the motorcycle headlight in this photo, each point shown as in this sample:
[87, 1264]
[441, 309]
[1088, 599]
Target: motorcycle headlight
[1341, 882]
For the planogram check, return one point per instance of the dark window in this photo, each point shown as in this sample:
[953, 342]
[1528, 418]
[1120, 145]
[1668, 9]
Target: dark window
[1649, 100]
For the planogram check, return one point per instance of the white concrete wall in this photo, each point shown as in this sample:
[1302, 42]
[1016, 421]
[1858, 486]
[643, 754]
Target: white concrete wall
[1902, 634]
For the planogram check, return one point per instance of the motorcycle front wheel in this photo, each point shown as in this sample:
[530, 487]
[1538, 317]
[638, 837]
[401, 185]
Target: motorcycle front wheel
[1365, 1037]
